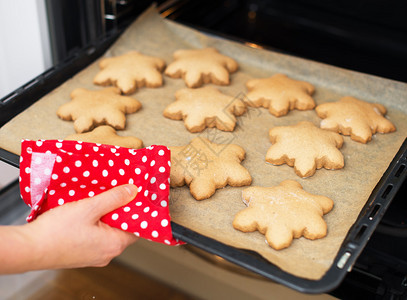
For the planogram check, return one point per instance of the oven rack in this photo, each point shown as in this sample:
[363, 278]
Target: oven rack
[357, 238]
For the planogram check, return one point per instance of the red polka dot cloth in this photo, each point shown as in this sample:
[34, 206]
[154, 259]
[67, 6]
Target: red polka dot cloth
[54, 172]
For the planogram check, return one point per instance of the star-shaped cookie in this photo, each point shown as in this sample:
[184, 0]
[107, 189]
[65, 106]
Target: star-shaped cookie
[205, 166]
[92, 108]
[306, 147]
[354, 117]
[130, 71]
[282, 213]
[205, 107]
[199, 66]
[280, 94]
[107, 135]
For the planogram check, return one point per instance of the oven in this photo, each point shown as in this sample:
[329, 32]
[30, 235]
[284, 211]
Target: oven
[367, 37]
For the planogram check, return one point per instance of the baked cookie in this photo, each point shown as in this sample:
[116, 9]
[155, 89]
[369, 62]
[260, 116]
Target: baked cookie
[92, 108]
[205, 166]
[282, 213]
[306, 147]
[107, 135]
[205, 107]
[199, 66]
[354, 117]
[280, 94]
[130, 71]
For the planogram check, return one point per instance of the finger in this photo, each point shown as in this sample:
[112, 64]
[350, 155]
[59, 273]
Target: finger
[112, 199]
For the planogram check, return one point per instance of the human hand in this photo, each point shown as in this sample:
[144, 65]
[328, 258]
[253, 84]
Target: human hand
[73, 236]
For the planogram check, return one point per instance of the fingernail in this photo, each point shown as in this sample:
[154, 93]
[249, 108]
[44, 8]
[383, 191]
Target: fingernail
[131, 189]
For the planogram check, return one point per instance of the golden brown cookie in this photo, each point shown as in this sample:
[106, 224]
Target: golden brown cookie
[92, 108]
[354, 117]
[306, 147]
[130, 71]
[280, 94]
[107, 135]
[199, 66]
[205, 166]
[282, 213]
[205, 107]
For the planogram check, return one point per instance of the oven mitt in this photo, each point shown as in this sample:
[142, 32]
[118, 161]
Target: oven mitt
[54, 172]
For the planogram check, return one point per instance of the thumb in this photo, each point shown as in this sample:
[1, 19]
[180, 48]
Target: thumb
[112, 199]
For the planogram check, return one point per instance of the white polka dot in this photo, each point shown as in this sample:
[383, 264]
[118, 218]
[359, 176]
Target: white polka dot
[78, 147]
[161, 169]
[86, 174]
[21, 158]
[127, 162]
[113, 150]
[131, 181]
[105, 173]
[91, 194]
[78, 163]
[58, 159]
[94, 181]
[144, 224]
[152, 180]
[37, 181]
[138, 171]
[47, 171]
[126, 209]
[153, 197]
[71, 193]
[169, 163]
[111, 163]
[146, 209]
[152, 163]
[154, 234]
[36, 207]
[139, 189]
[61, 201]
[29, 150]
[146, 176]
[139, 203]
[38, 143]
[74, 179]
[134, 217]
[82, 186]
[124, 226]
[167, 242]
[154, 214]
[59, 145]
[95, 163]
[28, 170]
[27, 189]
[164, 223]
[114, 182]
[137, 234]
[115, 217]
[66, 170]
[144, 159]
[163, 203]
[161, 152]
[95, 148]
[63, 184]
[52, 192]
[163, 186]
[121, 172]
[146, 193]
[102, 187]
[54, 176]
[38, 160]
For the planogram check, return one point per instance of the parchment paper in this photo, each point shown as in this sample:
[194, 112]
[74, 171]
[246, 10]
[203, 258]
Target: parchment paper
[349, 187]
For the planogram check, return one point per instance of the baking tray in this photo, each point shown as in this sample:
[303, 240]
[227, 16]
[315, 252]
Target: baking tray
[355, 241]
